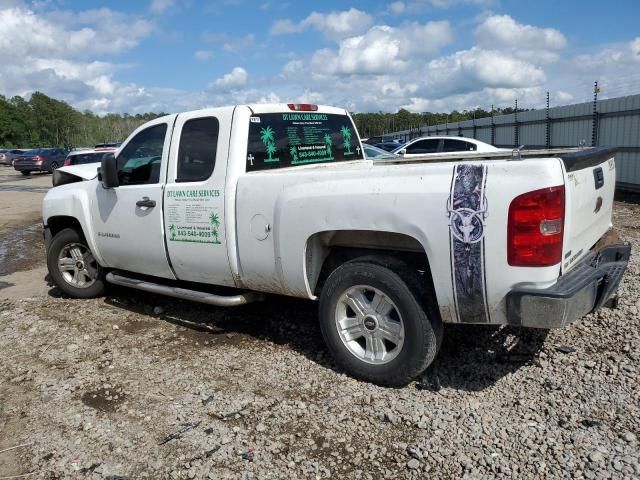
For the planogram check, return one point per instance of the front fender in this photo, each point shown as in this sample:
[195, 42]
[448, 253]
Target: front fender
[74, 201]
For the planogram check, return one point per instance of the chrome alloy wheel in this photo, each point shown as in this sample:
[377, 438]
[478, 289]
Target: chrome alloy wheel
[369, 324]
[77, 265]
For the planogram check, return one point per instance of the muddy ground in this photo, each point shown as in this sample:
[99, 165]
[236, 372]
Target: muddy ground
[139, 386]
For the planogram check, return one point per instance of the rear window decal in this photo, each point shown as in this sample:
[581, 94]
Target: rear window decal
[289, 139]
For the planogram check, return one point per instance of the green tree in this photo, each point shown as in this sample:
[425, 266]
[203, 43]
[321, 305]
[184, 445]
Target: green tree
[271, 149]
[214, 220]
[346, 136]
[328, 142]
[294, 153]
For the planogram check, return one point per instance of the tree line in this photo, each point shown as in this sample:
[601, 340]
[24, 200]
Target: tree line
[43, 121]
[373, 124]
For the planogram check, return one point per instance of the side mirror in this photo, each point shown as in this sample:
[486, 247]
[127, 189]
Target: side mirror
[108, 173]
[402, 152]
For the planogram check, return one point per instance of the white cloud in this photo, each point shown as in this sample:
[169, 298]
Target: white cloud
[334, 25]
[397, 8]
[419, 6]
[160, 6]
[467, 70]
[562, 97]
[229, 43]
[635, 47]
[383, 48]
[94, 32]
[203, 55]
[451, 3]
[502, 31]
[271, 97]
[57, 52]
[293, 67]
[232, 80]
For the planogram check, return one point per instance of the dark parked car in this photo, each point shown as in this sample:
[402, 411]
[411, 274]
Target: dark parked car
[108, 145]
[40, 160]
[8, 156]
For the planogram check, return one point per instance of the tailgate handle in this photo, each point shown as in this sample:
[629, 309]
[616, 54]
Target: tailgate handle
[598, 176]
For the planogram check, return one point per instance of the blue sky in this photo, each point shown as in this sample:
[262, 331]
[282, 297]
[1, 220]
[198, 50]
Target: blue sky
[433, 55]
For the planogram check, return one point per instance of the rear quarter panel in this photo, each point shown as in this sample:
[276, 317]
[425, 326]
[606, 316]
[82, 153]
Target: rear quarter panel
[413, 200]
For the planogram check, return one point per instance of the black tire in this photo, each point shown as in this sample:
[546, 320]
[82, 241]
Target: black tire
[53, 167]
[61, 240]
[410, 294]
[25, 172]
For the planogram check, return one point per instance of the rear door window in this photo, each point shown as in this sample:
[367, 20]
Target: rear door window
[278, 140]
[458, 146]
[424, 146]
[198, 147]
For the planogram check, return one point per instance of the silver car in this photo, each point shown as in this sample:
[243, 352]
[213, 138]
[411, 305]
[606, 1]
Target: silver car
[8, 156]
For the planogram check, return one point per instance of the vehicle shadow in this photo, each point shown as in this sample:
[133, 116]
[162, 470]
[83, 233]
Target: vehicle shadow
[472, 358]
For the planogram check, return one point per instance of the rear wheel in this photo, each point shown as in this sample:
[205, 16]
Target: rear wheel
[73, 267]
[373, 319]
[26, 172]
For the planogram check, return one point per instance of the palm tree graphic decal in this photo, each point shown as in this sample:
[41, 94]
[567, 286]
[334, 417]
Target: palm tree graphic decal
[328, 143]
[346, 137]
[215, 223]
[267, 135]
[294, 154]
[172, 231]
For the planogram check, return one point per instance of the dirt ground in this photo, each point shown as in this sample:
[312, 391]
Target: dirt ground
[139, 386]
[21, 248]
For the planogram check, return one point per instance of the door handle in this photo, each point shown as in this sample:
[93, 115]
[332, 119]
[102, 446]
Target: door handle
[145, 202]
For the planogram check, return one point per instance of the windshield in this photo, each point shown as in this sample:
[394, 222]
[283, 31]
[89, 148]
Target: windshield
[278, 140]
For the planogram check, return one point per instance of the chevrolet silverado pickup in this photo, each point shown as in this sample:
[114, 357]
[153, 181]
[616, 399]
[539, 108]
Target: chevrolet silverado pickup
[226, 205]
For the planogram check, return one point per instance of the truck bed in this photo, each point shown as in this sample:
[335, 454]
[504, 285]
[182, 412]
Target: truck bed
[574, 158]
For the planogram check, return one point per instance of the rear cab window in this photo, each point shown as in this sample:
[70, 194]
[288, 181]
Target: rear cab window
[287, 139]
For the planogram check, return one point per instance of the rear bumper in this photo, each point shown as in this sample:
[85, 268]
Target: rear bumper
[29, 167]
[587, 287]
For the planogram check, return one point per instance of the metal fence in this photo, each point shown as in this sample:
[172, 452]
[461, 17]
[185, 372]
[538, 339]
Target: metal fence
[613, 122]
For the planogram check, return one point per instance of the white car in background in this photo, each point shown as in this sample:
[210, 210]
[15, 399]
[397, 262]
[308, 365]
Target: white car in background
[442, 145]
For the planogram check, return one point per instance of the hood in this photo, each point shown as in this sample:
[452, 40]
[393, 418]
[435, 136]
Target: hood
[75, 173]
[87, 171]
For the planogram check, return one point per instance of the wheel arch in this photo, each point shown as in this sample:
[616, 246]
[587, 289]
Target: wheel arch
[326, 251]
[58, 223]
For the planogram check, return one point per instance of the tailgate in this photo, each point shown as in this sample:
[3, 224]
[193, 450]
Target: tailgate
[590, 181]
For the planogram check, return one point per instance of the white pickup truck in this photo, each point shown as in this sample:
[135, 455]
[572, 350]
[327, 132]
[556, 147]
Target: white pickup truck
[224, 205]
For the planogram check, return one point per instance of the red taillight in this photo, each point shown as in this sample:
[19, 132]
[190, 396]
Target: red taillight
[38, 159]
[67, 162]
[535, 229]
[302, 107]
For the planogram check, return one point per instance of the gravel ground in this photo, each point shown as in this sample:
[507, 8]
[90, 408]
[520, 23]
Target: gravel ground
[139, 386]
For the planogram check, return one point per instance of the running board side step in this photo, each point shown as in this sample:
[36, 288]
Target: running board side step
[183, 293]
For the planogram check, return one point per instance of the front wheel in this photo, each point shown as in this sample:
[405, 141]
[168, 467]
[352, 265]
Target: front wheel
[373, 319]
[26, 172]
[73, 267]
